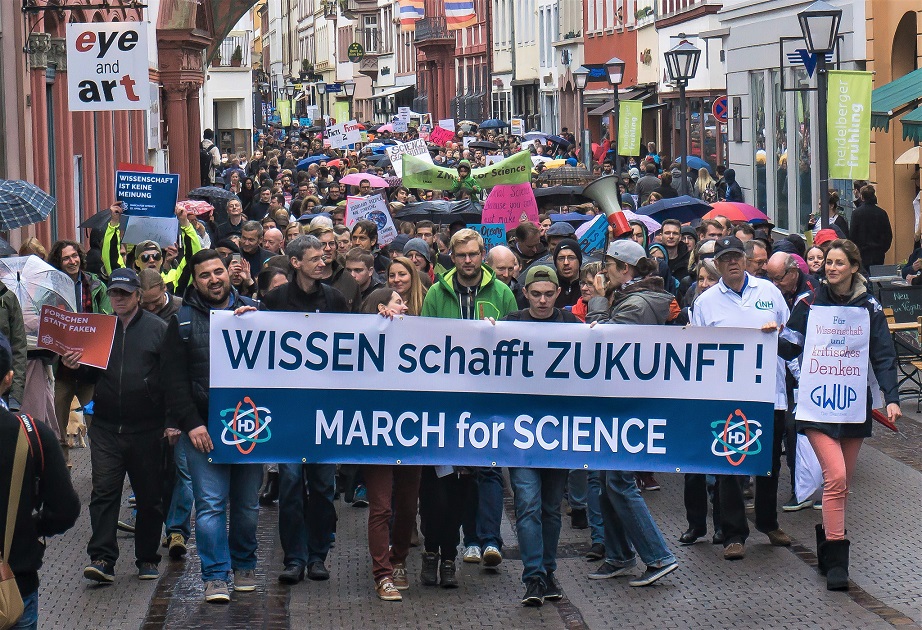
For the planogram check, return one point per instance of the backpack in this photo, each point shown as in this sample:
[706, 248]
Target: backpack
[205, 161]
[710, 194]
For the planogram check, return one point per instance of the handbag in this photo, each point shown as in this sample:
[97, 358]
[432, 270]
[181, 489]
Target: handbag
[11, 607]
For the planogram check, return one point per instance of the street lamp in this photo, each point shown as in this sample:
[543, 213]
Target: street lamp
[615, 69]
[581, 78]
[682, 65]
[820, 26]
[322, 90]
[349, 89]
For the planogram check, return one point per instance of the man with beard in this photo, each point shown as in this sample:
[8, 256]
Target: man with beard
[334, 273]
[677, 250]
[259, 207]
[186, 375]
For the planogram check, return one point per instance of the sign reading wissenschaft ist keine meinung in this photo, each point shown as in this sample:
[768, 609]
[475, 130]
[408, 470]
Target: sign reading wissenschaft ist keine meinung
[286, 387]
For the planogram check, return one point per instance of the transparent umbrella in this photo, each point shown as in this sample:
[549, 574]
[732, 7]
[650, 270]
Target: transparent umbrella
[35, 284]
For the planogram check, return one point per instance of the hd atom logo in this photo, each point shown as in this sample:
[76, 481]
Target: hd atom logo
[248, 424]
[736, 438]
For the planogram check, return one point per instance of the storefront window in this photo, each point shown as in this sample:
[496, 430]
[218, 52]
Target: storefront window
[710, 137]
[757, 94]
[780, 153]
[804, 159]
[694, 127]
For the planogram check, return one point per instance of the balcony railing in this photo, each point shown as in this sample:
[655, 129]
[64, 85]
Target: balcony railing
[432, 29]
[227, 48]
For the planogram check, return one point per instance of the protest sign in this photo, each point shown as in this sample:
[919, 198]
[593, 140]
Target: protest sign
[447, 123]
[404, 111]
[510, 205]
[147, 194]
[441, 136]
[400, 125]
[466, 140]
[158, 229]
[848, 124]
[469, 393]
[492, 159]
[591, 235]
[517, 127]
[63, 331]
[493, 233]
[344, 134]
[835, 369]
[416, 147]
[515, 169]
[107, 66]
[374, 209]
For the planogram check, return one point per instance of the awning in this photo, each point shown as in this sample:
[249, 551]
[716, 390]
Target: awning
[889, 99]
[912, 125]
[634, 94]
[390, 91]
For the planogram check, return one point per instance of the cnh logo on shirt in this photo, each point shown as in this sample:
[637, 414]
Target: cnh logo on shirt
[246, 426]
[765, 305]
[736, 438]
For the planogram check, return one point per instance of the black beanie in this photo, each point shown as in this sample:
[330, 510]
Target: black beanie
[569, 243]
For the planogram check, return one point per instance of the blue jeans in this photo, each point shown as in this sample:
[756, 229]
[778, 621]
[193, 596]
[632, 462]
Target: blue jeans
[29, 619]
[629, 526]
[489, 506]
[216, 488]
[178, 518]
[306, 526]
[583, 488]
[538, 493]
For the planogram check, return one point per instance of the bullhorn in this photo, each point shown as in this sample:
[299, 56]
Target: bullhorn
[604, 192]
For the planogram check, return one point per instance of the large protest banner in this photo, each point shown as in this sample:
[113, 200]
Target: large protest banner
[290, 388]
[515, 169]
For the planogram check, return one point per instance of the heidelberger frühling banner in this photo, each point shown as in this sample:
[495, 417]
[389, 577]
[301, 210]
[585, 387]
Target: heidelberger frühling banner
[848, 124]
[629, 119]
[286, 387]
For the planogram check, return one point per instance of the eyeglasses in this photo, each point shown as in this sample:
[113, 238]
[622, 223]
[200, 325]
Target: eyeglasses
[150, 257]
[783, 276]
[461, 256]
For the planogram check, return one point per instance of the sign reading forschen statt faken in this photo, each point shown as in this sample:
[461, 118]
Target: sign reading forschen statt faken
[107, 67]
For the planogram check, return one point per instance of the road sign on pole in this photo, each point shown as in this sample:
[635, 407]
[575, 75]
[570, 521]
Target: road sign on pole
[720, 109]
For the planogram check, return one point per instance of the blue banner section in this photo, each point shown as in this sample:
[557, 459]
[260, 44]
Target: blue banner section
[485, 429]
[147, 194]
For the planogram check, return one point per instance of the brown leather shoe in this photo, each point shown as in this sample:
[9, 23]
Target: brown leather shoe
[399, 576]
[778, 538]
[734, 551]
[386, 590]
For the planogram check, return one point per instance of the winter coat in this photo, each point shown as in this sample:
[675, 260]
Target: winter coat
[494, 299]
[643, 302]
[870, 230]
[290, 297]
[12, 326]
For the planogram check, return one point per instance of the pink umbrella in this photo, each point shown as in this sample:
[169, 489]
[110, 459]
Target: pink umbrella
[356, 178]
[651, 224]
[736, 211]
[388, 127]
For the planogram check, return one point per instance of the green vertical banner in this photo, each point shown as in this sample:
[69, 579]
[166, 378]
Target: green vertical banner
[284, 108]
[629, 120]
[848, 124]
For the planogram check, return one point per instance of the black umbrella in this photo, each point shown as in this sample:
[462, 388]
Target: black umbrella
[558, 140]
[560, 196]
[312, 129]
[212, 192]
[484, 144]
[100, 220]
[380, 159]
[441, 212]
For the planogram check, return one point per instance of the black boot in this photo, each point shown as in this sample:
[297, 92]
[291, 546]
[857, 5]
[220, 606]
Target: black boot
[820, 556]
[270, 493]
[429, 575]
[447, 577]
[836, 552]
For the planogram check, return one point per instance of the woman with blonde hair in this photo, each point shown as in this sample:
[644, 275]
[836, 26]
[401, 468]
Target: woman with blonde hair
[706, 186]
[33, 246]
[403, 278]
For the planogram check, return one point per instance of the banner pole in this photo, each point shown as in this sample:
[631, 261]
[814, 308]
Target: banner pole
[822, 85]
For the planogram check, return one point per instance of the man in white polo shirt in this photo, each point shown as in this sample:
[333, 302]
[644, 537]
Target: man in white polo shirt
[743, 301]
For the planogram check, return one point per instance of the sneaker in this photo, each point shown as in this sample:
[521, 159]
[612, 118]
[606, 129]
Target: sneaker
[245, 580]
[216, 592]
[177, 546]
[361, 497]
[429, 575]
[650, 483]
[399, 577]
[652, 574]
[492, 557]
[596, 552]
[608, 570]
[734, 551]
[100, 571]
[778, 538]
[472, 554]
[818, 505]
[126, 525]
[447, 574]
[793, 505]
[132, 501]
[552, 588]
[534, 592]
[386, 590]
[148, 571]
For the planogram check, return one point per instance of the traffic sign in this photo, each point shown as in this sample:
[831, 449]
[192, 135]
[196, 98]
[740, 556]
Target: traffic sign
[355, 52]
[721, 109]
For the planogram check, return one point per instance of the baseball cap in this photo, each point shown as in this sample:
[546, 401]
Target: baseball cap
[560, 229]
[541, 273]
[124, 280]
[627, 251]
[727, 245]
[824, 236]
[143, 246]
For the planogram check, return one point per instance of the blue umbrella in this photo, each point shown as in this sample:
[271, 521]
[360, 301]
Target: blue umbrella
[559, 140]
[696, 163]
[571, 217]
[22, 203]
[303, 164]
[493, 123]
[684, 208]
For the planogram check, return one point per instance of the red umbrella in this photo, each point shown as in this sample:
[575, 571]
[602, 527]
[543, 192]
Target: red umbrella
[736, 211]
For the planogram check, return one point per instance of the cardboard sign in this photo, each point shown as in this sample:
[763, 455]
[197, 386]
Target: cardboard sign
[510, 205]
[517, 127]
[62, 331]
[400, 125]
[493, 233]
[396, 151]
[466, 140]
[372, 208]
[344, 134]
[591, 234]
[147, 194]
[492, 159]
[107, 67]
[401, 111]
[158, 229]
[447, 123]
[441, 136]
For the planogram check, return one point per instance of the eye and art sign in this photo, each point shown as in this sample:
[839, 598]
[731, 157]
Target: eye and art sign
[286, 387]
[107, 66]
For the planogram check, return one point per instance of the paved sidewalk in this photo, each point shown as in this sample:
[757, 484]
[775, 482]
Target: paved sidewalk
[771, 588]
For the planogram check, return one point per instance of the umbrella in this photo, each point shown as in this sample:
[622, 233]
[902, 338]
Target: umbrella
[559, 140]
[683, 208]
[394, 182]
[209, 193]
[555, 163]
[570, 217]
[697, 163]
[388, 127]
[736, 211]
[6, 249]
[493, 123]
[467, 125]
[98, 221]
[560, 196]
[441, 212]
[196, 206]
[303, 164]
[36, 283]
[22, 203]
[484, 144]
[912, 156]
[566, 176]
[651, 224]
[536, 135]
[356, 178]
[539, 159]
[379, 159]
